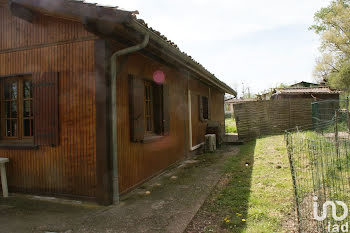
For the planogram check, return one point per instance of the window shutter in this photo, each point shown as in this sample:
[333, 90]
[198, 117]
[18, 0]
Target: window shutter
[157, 109]
[200, 104]
[209, 107]
[166, 110]
[205, 106]
[45, 104]
[136, 98]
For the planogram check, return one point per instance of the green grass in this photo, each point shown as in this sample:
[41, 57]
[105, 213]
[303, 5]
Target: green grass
[321, 165]
[257, 197]
[230, 125]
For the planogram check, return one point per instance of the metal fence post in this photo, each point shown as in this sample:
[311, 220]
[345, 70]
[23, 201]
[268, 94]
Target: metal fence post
[347, 114]
[290, 156]
[336, 132]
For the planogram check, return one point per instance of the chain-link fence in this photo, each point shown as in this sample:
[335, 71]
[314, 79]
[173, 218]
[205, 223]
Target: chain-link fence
[319, 157]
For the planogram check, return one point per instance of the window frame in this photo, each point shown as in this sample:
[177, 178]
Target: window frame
[137, 109]
[20, 138]
[150, 85]
[154, 135]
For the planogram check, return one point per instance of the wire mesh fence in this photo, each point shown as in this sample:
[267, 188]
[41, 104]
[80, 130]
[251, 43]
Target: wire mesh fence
[319, 156]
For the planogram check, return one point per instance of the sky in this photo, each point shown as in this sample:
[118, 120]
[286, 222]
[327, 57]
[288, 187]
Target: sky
[256, 44]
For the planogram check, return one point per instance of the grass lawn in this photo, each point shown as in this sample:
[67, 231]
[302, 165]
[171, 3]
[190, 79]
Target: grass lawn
[254, 195]
[230, 125]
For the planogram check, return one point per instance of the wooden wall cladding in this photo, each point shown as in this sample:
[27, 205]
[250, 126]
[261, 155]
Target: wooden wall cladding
[198, 127]
[70, 167]
[217, 99]
[46, 121]
[18, 33]
[139, 161]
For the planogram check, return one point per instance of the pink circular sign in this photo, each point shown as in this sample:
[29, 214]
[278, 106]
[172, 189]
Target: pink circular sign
[159, 77]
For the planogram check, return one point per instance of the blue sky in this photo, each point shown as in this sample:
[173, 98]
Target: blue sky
[258, 43]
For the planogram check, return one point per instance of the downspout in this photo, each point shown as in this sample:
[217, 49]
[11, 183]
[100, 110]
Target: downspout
[114, 149]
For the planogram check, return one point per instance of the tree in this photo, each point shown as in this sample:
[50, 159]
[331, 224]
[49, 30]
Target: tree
[281, 85]
[332, 23]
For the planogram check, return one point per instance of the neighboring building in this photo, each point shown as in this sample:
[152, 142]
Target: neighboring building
[229, 105]
[77, 121]
[316, 93]
[299, 90]
[305, 84]
[265, 96]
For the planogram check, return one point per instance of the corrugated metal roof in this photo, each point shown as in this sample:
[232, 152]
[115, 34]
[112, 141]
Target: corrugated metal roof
[235, 101]
[116, 14]
[306, 90]
[112, 6]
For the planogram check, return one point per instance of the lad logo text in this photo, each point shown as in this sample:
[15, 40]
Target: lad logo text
[330, 227]
[334, 210]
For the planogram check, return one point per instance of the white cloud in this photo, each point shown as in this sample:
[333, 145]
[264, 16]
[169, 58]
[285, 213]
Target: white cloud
[259, 42]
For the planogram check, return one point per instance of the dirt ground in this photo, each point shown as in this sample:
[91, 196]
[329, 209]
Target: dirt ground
[166, 203]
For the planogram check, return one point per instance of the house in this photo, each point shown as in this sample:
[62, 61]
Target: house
[315, 93]
[229, 105]
[305, 84]
[94, 102]
[301, 90]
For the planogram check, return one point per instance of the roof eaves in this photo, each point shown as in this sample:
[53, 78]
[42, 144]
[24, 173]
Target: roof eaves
[185, 59]
[81, 10]
[77, 10]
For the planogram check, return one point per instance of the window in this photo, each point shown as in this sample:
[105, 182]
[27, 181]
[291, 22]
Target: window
[148, 107]
[17, 108]
[204, 114]
[205, 107]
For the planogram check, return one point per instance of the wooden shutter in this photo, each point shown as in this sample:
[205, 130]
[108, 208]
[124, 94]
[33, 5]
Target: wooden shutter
[200, 110]
[205, 106]
[166, 110]
[136, 98]
[157, 108]
[203, 103]
[209, 107]
[45, 104]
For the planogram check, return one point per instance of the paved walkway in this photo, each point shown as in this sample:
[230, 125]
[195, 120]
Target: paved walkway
[165, 204]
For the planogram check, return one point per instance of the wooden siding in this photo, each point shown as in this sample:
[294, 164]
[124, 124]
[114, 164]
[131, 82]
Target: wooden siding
[139, 161]
[70, 167]
[217, 104]
[198, 127]
[17, 33]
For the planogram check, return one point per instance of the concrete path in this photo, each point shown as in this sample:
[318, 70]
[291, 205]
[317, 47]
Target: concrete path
[164, 204]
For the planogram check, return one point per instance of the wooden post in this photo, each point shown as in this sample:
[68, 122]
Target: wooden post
[104, 189]
[336, 132]
[347, 114]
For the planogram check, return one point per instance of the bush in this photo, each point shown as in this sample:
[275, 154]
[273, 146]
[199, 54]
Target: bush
[230, 125]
